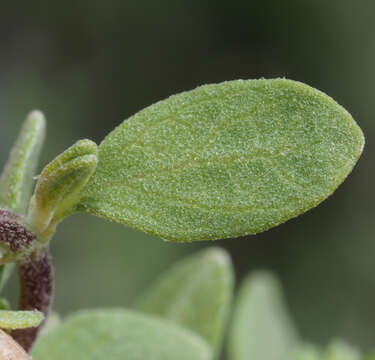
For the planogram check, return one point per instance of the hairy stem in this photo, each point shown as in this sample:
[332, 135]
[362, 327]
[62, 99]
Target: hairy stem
[36, 281]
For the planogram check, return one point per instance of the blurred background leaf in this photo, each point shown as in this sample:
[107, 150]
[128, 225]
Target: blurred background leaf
[117, 333]
[195, 293]
[90, 64]
[261, 327]
[305, 352]
[339, 350]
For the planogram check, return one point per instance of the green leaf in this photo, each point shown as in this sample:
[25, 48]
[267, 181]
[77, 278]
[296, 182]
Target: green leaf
[370, 356]
[120, 335]
[305, 352]
[20, 319]
[4, 304]
[339, 350]
[261, 328]
[59, 186]
[224, 160]
[196, 293]
[5, 273]
[18, 176]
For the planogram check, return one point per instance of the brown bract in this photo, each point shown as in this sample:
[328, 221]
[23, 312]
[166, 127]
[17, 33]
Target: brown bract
[10, 350]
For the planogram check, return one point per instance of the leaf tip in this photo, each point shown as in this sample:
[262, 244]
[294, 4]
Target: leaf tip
[218, 256]
[36, 116]
[37, 121]
[87, 146]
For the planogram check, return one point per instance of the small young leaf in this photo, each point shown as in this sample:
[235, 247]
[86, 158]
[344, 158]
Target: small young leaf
[10, 349]
[196, 293]
[261, 328]
[18, 175]
[120, 335]
[59, 186]
[340, 350]
[224, 160]
[20, 319]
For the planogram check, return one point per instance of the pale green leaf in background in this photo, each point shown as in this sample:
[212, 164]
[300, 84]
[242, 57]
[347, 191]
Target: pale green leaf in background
[261, 328]
[339, 350]
[18, 176]
[224, 160]
[20, 319]
[59, 186]
[52, 322]
[196, 293]
[120, 335]
[305, 352]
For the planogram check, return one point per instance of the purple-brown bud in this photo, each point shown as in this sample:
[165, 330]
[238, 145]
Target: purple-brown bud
[14, 237]
[34, 268]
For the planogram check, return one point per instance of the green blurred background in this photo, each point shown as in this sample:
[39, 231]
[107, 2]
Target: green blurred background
[90, 64]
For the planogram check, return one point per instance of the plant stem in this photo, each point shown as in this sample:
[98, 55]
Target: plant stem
[36, 292]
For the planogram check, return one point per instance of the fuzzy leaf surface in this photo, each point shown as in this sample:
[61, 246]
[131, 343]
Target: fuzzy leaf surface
[119, 335]
[224, 160]
[18, 175]
[20, 319]
[195, 293]
[261, 328]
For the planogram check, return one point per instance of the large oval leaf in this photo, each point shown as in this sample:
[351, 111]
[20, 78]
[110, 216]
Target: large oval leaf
[119, 335]
[196, 293]
[224, 160]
